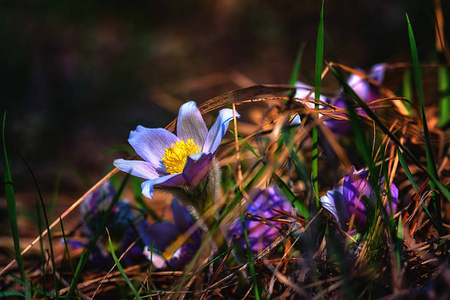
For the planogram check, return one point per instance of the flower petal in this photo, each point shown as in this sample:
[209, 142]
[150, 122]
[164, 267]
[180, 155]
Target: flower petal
[168, 180]
[356, 184]
[263, 204]
[377, 72]
[137, 168]
[75, 244]
[359, 85]
[394, 196]
[218, 130]
[181, 216]
[151, 143]
[160, 235]
[157, 260]
[197, 167]
[333, 201]
[190, 124]
[98, 201]
[363, 88]
[302, 92]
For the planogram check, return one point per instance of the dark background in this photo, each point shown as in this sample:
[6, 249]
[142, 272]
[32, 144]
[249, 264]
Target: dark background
[77, 76]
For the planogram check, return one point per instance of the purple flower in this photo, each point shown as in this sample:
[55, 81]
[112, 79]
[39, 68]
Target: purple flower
[262, 233]
[172, 248]
[365, 90]
[172, 160]
[93, 210]
[94, 207]
[347, 200]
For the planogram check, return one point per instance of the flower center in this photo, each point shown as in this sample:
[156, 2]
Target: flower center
[175, 157]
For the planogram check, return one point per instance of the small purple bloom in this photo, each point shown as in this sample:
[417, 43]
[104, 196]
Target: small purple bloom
[93, 210]
[172, 160]
[262, 233]
[94, 207]
[172, 249]
[365, 90]
[347, 200]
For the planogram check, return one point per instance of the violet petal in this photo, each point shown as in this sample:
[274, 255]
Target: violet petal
[181, 216]
[160, 235]
[197, 167]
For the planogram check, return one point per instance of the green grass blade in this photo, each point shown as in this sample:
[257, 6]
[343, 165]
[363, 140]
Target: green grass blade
[30, 288]
[425, 208]
[297, 64]
[444, 92]
[150, 271]
[247, 145]
[431, 164]
[405, 167]
[302, 209]
[398, 246]
[300, 168]
[47, 224]
[250, 260]
[407, 91]
[317, 86]
[41, 245]
[121, 270]
[11, 205]
[66, 247]
[354, 121]
[6, 294]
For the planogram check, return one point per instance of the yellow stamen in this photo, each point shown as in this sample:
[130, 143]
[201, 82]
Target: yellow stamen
[175, 157]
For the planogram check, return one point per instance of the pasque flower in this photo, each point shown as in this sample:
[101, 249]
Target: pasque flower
[172, 248]
[351, 199]
[94, 207]
[365, 90]
[93, 210]
[173, 160]
[262, 231]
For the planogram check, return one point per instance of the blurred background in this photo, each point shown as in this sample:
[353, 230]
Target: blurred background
[77, 76]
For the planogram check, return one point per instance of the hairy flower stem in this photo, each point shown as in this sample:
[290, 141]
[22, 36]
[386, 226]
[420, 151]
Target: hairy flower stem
[201, 201]
[210, 192]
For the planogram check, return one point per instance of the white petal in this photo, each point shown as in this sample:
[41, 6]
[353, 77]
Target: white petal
[157, 260]
[151, 143]
[190, 124]
[218, 130]
[137, 168]
[303, 90]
